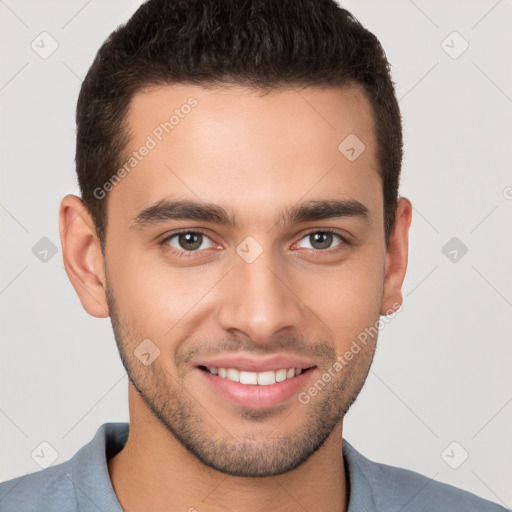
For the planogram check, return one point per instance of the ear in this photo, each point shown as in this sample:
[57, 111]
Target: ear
[82, 255]
[396, 258]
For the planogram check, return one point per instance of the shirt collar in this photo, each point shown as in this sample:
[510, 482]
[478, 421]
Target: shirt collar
[93, 486]
[360, 495]
[90, 476]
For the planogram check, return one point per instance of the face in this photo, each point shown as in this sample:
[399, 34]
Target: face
[265, 269]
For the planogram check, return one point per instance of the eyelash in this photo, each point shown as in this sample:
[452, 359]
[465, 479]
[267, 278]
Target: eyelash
[188, 254]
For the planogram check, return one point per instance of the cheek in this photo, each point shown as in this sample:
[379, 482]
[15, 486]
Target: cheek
[156, 296]
[347, 297]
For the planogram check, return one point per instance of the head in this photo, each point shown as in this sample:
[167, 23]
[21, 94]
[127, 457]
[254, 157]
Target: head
[239, 166]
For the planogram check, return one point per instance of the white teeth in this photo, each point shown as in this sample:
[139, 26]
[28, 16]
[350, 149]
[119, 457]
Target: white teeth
[248, 377]
[266, 378]
[233, 374]
[280, 375]
[260, 378]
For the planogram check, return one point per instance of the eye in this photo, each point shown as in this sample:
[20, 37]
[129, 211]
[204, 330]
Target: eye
[322, 240]
[187, 241]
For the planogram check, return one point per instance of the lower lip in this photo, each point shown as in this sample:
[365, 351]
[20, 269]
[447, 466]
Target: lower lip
[254, 395]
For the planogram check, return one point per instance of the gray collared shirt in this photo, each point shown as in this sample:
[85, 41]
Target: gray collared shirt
[82, 484]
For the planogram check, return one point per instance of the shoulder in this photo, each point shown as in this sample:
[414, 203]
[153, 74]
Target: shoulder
[81, 483]
[49, 489]
[392, 487]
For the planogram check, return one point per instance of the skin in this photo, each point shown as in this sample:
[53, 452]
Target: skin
[255, 156]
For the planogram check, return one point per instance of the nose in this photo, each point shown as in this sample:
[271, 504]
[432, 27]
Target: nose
[258, 300]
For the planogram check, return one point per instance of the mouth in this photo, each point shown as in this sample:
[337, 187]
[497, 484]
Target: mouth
[265, 378]
[254, 390]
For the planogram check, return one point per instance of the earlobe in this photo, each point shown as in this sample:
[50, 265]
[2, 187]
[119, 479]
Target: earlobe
[82, 255]
[396, 258]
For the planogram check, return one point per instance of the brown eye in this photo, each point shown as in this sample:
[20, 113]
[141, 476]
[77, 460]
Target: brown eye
[187, 241]
[321, 240]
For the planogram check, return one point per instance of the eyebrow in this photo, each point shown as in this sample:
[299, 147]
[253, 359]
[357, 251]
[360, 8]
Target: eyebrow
[165, 210]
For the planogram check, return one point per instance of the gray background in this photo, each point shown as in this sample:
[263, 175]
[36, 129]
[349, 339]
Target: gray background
[442, 369]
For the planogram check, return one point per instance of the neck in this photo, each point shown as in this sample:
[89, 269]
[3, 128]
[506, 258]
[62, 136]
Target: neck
[155, 472]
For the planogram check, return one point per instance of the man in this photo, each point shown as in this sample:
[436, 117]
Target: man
[240, 223]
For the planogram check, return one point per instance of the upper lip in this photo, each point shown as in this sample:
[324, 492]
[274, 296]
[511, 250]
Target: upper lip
[249, 364]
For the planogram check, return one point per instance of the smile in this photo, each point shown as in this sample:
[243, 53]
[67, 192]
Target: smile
[254, 390]
[266, 378]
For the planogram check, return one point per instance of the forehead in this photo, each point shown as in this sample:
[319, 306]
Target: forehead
[231, 146]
